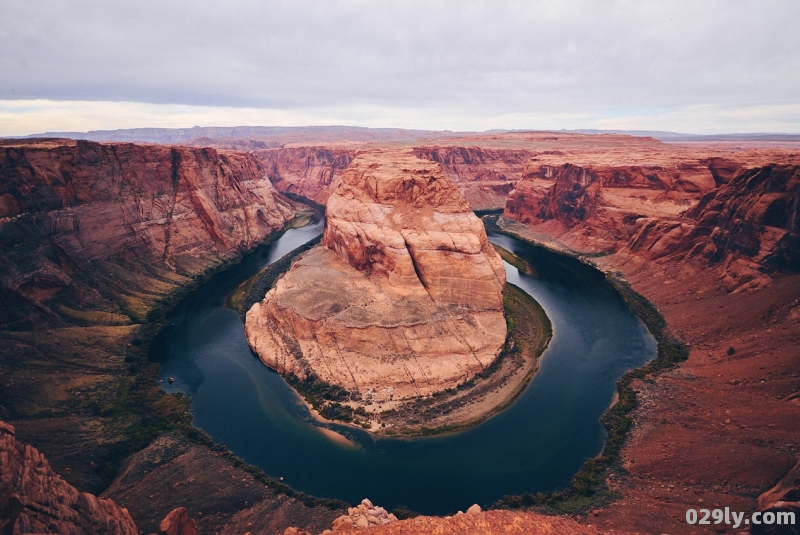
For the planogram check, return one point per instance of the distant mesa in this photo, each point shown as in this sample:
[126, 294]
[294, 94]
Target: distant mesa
[402, 299]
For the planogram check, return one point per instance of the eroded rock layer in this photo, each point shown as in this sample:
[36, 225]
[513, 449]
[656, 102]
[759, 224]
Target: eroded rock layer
[68, 207]
[747, 227]
[403, 298]
[37, 500]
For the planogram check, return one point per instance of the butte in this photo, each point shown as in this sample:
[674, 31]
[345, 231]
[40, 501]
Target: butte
[403, 298]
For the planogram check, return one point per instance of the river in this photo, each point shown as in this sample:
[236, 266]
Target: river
[536, 444]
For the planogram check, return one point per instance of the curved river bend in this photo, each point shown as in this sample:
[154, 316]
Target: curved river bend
[536, 444]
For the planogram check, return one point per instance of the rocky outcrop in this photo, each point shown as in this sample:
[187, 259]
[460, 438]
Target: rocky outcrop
[485, 523]
[365, 515]
[404, 298]
[782, 498]
[601, 204]
[66, 205]
[177, 522]
[39, 501]
[311, 172]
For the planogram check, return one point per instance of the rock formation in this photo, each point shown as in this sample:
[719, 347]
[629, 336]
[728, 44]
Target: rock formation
[597, 207]
[66, 204]
[311, 172]
[177, 522]
[365, 515]
[403, 299]
[783, 497]
[39, 501]
[485, 176]
[748, 226]
[483, 523]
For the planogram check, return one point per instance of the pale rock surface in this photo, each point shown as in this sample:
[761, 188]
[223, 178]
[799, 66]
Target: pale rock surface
[403, 299]
[366, 515]
[474, 509]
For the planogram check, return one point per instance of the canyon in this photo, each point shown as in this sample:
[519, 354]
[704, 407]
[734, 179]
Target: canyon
[96, 236]
[403, 298]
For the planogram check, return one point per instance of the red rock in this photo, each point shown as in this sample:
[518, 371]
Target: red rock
[405, 297]
[49, 504]
[66, 204]
[177, 522]
[312, 172]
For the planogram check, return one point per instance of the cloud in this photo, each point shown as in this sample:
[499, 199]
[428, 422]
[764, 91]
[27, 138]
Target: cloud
[409, 61]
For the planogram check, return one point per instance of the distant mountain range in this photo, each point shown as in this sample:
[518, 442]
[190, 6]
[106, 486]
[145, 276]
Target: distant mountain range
[273, 135]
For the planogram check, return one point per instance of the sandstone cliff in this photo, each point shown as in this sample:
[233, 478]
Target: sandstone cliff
[67, 208]
[312, 172]
[404, 298]
[47, 503]
[747, 226]
[601, 204]
[92, 238]
[484, 175]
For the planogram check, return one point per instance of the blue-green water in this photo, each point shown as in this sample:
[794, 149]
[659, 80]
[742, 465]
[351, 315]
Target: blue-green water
[536, 444]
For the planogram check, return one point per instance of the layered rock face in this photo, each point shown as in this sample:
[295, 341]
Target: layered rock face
[403, 298]
[312, 172]
[485, 176]
[602, 203]
[45, 502]
[65, 205]
[747, 226]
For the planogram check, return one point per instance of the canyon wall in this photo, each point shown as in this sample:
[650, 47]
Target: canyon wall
[67, 208]
[312, 172]
[485, 176]
[93, 238]
[404, 297]
[740, 220]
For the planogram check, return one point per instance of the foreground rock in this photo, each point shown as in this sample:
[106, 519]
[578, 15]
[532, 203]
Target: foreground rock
[485, 523]
[37, 500]
[177, 522]
[403, 299]
[365, 515]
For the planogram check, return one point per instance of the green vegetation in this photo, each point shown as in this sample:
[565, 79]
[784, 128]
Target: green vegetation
[588, 490]
[327, 399]
[255, 288]
[514, 260]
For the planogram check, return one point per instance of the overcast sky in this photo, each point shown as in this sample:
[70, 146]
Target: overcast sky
[698, 66]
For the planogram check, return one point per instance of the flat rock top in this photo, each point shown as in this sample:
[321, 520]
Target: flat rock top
[322, 287]
[403, 181]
